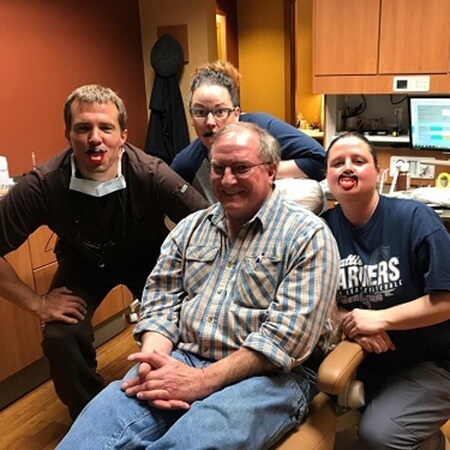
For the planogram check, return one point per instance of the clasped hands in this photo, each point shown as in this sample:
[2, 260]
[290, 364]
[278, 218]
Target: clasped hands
[165, 382]
[368, 328]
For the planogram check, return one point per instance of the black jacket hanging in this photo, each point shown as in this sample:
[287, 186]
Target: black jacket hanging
[167, 129]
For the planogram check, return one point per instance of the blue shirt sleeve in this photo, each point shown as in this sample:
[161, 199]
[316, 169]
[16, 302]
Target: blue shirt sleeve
[308, 154]
[187, 162]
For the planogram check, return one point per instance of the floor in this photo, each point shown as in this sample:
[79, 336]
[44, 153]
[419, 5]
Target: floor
[38, 421]
[347, 440]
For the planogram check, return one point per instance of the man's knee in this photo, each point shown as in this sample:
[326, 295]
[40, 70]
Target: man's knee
[374, 434]
[382, 432]
[61, 337]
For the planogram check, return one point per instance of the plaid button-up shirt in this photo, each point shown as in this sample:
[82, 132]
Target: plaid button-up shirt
[271, 289]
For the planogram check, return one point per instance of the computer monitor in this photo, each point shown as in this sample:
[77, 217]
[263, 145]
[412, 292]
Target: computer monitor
[429, 122]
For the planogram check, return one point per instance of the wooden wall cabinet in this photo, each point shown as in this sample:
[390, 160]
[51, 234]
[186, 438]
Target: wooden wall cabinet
[20, 332]
[359, 46]
[345, 37]
[414, 37]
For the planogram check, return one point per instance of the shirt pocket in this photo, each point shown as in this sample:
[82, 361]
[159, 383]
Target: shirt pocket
[199, 264]
[258, 281]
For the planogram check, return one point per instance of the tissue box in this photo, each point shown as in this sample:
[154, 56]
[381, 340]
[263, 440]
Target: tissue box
[5, 181]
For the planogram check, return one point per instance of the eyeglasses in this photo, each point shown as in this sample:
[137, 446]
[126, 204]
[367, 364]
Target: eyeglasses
[218, 113]
[238, 169]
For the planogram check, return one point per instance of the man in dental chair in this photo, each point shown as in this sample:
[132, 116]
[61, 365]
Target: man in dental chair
[233, 318]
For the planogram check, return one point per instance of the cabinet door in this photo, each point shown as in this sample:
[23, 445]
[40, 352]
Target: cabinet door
[20, 332]
[127, 297]
[345, 37]
[42, 245]
[111, 305]
[415, 36]
[43, 277]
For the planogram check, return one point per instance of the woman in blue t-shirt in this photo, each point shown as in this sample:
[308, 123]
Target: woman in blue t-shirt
[394, 298]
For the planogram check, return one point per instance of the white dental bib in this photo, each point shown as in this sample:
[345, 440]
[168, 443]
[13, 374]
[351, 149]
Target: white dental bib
[96, 188]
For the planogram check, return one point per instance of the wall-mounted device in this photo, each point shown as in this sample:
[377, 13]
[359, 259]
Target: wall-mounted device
[418, 167]
[420, 83]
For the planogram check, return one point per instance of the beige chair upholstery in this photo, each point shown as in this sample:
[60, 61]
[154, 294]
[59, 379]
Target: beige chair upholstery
[335, 375]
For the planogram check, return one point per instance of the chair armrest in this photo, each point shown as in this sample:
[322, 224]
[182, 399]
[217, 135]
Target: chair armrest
[339, 367]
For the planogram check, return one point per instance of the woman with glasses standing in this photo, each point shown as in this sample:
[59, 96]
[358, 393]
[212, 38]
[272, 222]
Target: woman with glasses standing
[213, 100]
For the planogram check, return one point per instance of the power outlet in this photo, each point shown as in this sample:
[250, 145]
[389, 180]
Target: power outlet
[418, 167]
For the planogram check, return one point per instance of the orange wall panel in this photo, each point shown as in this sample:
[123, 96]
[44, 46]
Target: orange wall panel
[49, 48]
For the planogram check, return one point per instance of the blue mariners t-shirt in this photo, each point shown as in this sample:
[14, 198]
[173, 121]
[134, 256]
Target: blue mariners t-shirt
[400, 254]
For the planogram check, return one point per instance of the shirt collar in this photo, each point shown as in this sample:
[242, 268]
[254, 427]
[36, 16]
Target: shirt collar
[96, 188]
[266, 212]
[263, 216]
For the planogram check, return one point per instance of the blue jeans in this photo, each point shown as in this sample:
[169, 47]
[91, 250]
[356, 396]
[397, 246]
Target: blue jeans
[252, 414]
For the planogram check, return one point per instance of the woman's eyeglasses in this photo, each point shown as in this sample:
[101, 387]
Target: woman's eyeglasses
[218, 113]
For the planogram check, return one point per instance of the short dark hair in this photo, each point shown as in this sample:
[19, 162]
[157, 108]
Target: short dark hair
[357, 135]
[217, 73]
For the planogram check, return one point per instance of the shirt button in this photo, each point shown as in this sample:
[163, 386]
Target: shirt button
[210, 319]
[229, 263]
[219, 291]
[205, 349]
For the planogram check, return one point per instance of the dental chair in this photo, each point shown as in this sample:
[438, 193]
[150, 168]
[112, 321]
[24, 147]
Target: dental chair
[334, 407]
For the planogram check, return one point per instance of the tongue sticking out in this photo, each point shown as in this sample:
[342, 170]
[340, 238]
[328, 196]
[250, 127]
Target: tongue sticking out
[347, 183]
[96, 158]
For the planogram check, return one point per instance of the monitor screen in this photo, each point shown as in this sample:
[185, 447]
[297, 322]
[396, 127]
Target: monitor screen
[429, 123]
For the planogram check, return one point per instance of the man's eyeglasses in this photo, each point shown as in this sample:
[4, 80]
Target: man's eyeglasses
[238, 170]
[218, 113]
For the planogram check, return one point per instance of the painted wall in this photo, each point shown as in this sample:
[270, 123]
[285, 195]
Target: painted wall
[262, 50]
[260, 32]
[199, 15]
[49, 48]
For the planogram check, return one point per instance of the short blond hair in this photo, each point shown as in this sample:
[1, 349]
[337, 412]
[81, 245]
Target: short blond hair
[94, 93]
